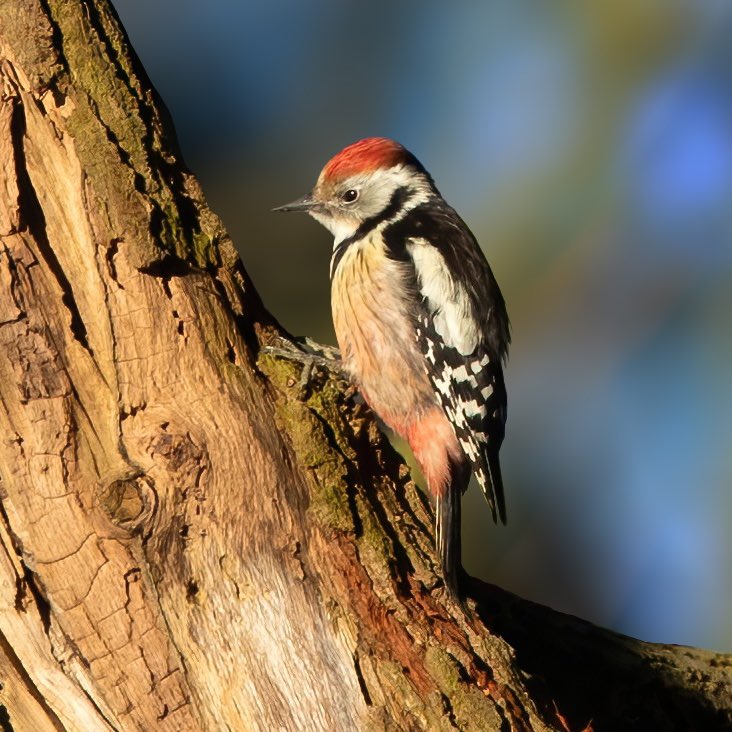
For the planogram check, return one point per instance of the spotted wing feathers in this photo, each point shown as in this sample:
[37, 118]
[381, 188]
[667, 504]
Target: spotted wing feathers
[462, 330]
[472, 394]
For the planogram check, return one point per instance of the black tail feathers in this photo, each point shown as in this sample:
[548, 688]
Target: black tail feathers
[447, 536]
[496, 487]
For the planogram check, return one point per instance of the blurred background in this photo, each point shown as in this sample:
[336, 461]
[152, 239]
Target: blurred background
[589, 147]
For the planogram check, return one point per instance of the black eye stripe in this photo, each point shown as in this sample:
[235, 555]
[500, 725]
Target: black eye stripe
[398, 199]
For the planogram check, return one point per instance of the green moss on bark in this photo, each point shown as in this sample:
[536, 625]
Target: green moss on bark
[467, 701]
[311, 441]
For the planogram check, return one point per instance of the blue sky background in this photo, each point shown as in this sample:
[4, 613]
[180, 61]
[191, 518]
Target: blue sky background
[589, 146]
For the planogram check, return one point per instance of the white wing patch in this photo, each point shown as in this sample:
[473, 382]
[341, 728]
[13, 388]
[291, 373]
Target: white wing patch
[447, 300]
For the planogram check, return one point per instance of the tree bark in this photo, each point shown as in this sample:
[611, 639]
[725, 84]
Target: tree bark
[187, 540]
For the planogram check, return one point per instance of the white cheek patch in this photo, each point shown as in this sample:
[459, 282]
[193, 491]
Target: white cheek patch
[447, 300]
[340, 227]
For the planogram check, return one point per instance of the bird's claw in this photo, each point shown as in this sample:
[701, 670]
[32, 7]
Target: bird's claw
[309, 354]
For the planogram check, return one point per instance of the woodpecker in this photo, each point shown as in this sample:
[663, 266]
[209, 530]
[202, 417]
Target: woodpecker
[420, 321]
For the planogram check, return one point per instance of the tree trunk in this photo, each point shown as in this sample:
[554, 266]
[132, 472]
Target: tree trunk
[187, 540]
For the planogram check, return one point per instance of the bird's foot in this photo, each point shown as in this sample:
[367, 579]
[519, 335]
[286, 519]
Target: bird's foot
[310, 354]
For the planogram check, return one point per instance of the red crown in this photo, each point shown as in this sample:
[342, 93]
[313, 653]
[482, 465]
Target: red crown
[365, 155]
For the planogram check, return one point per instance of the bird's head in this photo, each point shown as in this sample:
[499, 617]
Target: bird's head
[363, 182]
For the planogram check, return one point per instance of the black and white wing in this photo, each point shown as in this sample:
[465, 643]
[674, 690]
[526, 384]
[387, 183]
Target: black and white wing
[462, 331]
[472, 394]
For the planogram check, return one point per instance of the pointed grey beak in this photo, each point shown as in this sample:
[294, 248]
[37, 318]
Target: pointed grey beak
[305, 203]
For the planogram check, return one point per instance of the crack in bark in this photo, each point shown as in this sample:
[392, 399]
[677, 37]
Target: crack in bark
[361, 681]
[32, 218]
[166, 268]
[56, 39]
[181, 668]
[109, 256]
[5, 723]
[249, 328]
[29, 684]
[26, 582]
[70, 554]
[12, 269]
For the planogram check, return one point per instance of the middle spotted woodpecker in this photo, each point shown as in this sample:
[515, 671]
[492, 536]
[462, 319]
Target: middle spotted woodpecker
[420, 321]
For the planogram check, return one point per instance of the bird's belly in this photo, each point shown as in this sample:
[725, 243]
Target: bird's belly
[377, 339]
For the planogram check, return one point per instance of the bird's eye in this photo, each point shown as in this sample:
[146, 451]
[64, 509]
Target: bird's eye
[349, 196]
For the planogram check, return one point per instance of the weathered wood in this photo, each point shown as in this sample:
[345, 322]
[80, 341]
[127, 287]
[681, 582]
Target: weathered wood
[186, 540]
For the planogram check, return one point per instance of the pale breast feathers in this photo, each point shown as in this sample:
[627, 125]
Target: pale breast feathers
[375, 330]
